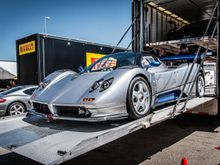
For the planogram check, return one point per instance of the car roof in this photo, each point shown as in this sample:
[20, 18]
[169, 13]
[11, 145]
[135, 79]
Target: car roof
[27, 86]
[19, 88]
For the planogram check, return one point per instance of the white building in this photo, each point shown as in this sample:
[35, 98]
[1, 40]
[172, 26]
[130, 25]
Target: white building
[8, 69]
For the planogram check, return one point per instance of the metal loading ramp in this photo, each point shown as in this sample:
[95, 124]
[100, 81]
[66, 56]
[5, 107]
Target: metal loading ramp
[58, 141]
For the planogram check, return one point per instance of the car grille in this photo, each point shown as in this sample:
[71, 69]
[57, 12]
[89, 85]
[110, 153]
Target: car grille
[41, 108]
[66, 111]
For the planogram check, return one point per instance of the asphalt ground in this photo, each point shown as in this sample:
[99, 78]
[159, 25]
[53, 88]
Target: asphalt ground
[194, 137]
[197, 138]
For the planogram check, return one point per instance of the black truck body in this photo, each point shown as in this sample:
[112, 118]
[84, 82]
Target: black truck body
[39, 55]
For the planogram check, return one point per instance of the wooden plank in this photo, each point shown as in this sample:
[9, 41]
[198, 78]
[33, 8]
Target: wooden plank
[173, 45]
[204, 43]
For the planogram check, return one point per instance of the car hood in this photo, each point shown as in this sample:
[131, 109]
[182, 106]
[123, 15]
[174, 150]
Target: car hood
[69, 89]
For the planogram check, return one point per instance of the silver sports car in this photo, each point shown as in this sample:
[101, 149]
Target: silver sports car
[116, 86]
[16, 100]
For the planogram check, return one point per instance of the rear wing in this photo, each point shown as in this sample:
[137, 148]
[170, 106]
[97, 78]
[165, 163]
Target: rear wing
[183, 58]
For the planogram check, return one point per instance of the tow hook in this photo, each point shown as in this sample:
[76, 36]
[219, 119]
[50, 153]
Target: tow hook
[61, 152]
[50, 116]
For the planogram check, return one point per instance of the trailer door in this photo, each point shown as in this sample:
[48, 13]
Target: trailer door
[27, 61]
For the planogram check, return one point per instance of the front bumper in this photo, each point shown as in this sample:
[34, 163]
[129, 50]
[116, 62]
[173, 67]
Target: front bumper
[88, 119]
[91, 114]
[3, 110]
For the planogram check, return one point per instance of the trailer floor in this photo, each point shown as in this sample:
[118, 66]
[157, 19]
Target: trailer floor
[191, 136]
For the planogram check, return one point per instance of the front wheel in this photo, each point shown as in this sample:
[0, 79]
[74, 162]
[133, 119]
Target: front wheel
[138, 98]
[200, 85]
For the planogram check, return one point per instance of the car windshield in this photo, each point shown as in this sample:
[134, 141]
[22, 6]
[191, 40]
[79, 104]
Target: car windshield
[9, 91]
[112, 61]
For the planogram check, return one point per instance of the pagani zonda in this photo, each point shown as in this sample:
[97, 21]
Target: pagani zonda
[116, 86]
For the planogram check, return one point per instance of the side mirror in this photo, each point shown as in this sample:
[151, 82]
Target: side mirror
[155, 63]
[81, 69]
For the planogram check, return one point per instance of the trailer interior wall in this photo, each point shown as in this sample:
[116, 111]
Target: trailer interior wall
[151, 25]
[158, 24]
[218, 60]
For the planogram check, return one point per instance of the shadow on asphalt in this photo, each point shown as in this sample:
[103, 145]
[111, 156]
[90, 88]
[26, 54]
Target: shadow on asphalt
[141, 145]
[16, 159]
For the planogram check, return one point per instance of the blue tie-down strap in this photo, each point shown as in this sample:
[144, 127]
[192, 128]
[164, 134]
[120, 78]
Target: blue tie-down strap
[184, 57]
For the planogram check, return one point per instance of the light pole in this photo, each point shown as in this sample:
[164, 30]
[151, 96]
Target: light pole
[45, 24]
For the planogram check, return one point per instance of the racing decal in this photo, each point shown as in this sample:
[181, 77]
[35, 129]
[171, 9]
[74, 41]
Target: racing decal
[27, 48]
[105, 63]
[92, 57]
[88, 99]
[209, 77]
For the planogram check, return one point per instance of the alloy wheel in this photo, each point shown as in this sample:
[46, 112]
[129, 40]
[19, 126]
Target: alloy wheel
[16, 109]
[141, 97]
[201, 86]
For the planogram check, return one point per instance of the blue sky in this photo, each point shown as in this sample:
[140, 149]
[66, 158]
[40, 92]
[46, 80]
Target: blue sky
[100, 21]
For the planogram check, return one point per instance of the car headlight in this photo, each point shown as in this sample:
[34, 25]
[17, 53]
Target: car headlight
[106, 84]
[103, 84]
[95, 85]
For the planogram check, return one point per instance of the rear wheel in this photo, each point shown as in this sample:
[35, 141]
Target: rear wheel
[200, 85]
[138, 98]
[16, 108]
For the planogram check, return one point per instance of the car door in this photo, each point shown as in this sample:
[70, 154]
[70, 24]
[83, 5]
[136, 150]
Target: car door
[166, 79]
[181, 74]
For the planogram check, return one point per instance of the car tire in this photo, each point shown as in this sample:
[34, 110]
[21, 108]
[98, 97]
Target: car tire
[16, 108]
[138, 98]
[200, 85]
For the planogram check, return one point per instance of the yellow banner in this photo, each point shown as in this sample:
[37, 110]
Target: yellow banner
[92, 57]
[27, 48]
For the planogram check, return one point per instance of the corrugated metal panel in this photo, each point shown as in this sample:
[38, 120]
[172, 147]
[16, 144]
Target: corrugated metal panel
[187, 10]
[159, 24]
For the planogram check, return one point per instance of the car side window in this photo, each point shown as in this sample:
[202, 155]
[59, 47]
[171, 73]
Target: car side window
[147, 61]
[144, 62]
[29, 91]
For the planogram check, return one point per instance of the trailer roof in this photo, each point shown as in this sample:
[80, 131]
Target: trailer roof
[190, 10]
[71, 39]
